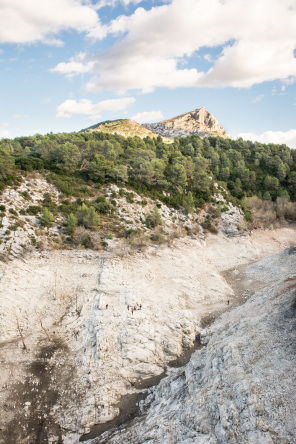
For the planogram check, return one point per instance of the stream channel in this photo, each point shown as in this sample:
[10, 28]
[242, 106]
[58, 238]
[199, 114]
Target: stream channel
[129, 404]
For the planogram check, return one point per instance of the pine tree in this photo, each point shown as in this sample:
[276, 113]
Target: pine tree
[188, 203]
[46, 218]
[92, 220]
[72, 223]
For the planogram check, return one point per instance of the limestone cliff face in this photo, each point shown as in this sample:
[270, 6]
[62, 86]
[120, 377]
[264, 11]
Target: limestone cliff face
[199, 122]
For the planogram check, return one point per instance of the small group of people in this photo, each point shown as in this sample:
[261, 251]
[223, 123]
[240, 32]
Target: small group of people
[134, 308]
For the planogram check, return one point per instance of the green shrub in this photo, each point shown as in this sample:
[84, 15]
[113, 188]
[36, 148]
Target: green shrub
[217, 212]
[33, 210]
[248, 216]
[158, 237]
[92, 220]
[103, 207]
[84, 189]
[26, 195]
[153, 219]
[66, 209]
[209, 227]
[88, 217]
[72, 223]
[188, 203]
[46, 219]
[33, 240]
[49, 203]
[129, 197]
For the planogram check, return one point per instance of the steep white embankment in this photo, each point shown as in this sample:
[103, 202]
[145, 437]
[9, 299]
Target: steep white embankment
[240, 388]
[82, 355]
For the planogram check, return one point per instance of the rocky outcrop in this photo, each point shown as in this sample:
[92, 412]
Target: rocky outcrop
[240, 388]
[198, 122]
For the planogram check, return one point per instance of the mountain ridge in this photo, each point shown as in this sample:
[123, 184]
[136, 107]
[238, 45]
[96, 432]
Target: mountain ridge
[197, 122]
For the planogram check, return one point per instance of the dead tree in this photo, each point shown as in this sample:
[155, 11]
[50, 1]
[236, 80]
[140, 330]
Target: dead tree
[45, 331]
[20, 332]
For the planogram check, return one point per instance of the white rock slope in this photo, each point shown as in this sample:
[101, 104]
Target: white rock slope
[240, 388]
[82, 356]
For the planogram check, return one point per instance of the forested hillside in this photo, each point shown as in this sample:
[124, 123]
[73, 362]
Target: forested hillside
[188, 164]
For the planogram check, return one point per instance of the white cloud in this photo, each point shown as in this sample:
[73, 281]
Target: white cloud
[92, 110]
[277, 137]
[34, 20]
[258, 98]
[258, 40]
[76, 65]
[209, 58]
[148, 116]
[113, 3]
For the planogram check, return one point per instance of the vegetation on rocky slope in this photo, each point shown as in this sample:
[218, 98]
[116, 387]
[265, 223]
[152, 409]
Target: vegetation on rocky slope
[183, 176]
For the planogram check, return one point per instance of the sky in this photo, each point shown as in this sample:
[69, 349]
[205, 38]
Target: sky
[69, 64]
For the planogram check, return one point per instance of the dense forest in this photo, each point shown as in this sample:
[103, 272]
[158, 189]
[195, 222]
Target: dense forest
[165, 171]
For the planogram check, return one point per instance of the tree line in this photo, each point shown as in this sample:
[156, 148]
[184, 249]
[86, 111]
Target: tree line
[181, 173]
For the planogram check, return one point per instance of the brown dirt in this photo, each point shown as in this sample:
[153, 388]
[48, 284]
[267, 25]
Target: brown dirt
[34, 424]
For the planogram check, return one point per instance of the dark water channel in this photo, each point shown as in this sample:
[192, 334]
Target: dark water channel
[129, 404]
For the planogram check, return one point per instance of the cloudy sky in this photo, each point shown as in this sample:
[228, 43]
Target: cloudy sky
[68, 64]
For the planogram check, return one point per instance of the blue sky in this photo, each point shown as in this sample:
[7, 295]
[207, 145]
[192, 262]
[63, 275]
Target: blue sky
[68, 64]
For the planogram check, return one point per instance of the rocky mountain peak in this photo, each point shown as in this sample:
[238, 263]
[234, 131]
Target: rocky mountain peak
[198, 122]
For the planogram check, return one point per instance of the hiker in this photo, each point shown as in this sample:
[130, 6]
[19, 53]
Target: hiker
[140, 307]
[132, 311]
[135, 308]
[128, 307]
